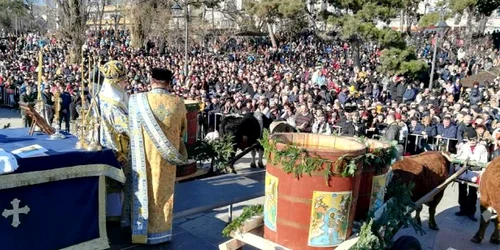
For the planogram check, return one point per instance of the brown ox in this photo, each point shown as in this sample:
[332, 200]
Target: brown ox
[426, 171]
[489, 201]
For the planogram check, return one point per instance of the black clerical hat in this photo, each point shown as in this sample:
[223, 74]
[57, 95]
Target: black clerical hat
[161, 74]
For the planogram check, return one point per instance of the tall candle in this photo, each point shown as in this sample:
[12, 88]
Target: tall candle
[82, 94]
[91, 84]
[40, 70]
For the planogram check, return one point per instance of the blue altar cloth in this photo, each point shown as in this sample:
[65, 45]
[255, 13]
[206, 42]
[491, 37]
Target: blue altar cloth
[63, 191]
[62, 214]
[62, 152]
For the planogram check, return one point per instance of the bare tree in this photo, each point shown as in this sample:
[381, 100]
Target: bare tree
[140, 14]
[240, 17]
[72, 19]
[10, 13]
[151, 19]
[97, 12]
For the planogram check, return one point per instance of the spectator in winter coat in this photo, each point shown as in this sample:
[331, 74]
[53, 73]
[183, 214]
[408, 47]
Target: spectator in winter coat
[343, 96]
[446, 129]
[321, 126]
[415, 127]
[475, 96]
[466, 123]
[429, 131]
[496, 153]
[376, 92]
[457, 90]
[409, 94]
[392, 131]
[400, 90]
[304, 119]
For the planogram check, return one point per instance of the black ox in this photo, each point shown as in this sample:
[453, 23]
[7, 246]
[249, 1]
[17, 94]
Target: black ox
[247, 130]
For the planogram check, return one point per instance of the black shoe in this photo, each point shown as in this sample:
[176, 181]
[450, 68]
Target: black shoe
[495, 241]
[471, 217]
[460, 213]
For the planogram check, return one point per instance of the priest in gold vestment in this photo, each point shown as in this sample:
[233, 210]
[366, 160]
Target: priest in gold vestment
[157, 123]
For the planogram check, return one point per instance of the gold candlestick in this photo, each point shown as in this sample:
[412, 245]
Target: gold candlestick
[93, 121]
[82, 114]
[57, 109]
[39, 106]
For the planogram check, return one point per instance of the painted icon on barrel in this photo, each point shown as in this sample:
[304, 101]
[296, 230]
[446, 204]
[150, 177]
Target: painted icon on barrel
[329, 218]
[271, 202]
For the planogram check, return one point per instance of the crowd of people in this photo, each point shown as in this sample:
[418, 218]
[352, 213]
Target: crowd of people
[307, 81]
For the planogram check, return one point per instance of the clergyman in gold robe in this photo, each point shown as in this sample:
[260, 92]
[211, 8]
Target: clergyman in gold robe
[157, 123]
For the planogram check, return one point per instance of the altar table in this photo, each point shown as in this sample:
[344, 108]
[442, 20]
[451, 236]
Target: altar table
[55, 201]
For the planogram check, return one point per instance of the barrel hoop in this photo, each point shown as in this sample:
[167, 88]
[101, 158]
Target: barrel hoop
[293, 224]
[317, 173]
[308, 201]
[295, 199]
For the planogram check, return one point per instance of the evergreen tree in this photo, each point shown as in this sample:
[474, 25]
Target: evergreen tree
[274, 11]
[356, 21]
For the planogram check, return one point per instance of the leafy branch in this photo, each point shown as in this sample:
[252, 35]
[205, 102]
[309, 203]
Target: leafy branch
[218, 151]
[248, 212]
[300, 161]
[377, 234]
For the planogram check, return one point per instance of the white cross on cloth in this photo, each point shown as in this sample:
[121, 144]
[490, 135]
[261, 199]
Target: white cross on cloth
[15, 211]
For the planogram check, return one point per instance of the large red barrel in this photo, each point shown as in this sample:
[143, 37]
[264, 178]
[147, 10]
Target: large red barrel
[193, 108]
[310, 211]
[373, 179]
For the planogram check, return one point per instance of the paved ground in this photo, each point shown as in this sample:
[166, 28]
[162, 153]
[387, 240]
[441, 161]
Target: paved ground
[455, 232]
[10, 116]
[203, 231]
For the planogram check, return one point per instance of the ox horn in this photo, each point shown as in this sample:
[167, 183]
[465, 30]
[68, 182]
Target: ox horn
[447, 156]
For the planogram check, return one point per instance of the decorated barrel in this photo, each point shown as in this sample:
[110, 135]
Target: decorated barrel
[312, 184]
[373, 177]
[193, 107]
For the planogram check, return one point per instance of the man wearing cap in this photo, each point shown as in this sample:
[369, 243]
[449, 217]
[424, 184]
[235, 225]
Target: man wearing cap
[157, 126]
[113, 107]
[472, 151]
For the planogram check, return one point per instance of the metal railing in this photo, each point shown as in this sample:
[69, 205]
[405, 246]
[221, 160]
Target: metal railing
[8, 96]
[206, 121]
[336, 130]
[436, 143]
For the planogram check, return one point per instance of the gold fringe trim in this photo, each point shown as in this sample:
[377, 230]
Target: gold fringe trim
[97, 244]
[38, 177]
[102, 242]
[139, 239]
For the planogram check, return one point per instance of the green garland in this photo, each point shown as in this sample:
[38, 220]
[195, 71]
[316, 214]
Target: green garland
[248, 212]
[299, 161]
[380, 157]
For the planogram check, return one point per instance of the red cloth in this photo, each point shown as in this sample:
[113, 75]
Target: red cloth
[472, 148]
